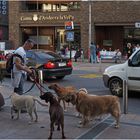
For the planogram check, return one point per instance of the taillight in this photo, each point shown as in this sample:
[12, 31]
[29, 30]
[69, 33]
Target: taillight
[69, 63]
[49, 65]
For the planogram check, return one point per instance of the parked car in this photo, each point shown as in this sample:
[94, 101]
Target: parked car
[113, 76]
[52, 64]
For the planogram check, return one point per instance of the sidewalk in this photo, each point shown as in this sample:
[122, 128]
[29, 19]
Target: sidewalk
[19, 129]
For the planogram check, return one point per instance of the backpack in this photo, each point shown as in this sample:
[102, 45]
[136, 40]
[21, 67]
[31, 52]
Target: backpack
[9, 62]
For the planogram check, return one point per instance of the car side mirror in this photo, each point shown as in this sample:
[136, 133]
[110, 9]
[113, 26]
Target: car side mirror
[129, 62]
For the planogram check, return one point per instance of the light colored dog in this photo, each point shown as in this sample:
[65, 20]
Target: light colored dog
[62, 91]
[93, 106]
[25, 102]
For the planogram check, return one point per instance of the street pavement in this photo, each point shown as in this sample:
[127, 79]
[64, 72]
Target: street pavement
[99, 129]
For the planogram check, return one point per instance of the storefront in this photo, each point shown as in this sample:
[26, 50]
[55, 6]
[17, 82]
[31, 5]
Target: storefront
[44, 22]
[111, 24]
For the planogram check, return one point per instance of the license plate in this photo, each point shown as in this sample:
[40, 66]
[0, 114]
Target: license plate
[61, 64]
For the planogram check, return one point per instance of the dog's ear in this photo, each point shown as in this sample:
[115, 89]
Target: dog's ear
[56, 85]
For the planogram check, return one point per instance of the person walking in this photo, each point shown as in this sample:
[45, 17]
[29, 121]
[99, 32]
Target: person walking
[98, 53]
[19, 71]
[129, 50]
[92, 52]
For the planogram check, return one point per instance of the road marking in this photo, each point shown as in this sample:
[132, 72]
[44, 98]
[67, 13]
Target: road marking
[91, 76]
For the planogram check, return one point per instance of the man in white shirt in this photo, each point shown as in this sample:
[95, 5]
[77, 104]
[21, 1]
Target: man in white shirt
[20, 69]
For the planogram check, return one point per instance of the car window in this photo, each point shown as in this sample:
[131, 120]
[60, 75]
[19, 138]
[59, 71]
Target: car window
[47, 55]
[136, 59]
[54, 55]
[29, 54]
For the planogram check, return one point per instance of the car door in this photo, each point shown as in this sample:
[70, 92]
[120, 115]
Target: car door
[133, 72]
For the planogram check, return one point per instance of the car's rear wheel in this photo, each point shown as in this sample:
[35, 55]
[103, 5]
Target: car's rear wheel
[60, 77]
[116, 86]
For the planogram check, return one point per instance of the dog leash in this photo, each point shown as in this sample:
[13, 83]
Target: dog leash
[29, 88]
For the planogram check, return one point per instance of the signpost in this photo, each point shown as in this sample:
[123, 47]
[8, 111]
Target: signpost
[69, 34]
[70, 37]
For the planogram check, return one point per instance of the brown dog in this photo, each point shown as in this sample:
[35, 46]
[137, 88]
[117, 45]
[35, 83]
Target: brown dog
[62, 92]
[56, 113]
[92, 106]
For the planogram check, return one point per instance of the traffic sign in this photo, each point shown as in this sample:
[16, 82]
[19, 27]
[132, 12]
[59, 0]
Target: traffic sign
[70, 36]
[69, 25]
[137, 24]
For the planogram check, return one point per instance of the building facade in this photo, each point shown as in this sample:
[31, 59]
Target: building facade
[112, 23]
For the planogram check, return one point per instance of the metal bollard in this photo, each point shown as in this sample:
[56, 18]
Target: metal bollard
[40, 74]
[125, 96]
[100, 65]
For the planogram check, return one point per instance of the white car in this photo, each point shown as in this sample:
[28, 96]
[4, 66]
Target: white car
[113, 76]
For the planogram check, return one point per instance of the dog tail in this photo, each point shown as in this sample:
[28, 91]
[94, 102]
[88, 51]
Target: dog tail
[83, 90]
[40, 102]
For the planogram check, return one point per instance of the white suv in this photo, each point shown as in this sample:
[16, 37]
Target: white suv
[113, 76]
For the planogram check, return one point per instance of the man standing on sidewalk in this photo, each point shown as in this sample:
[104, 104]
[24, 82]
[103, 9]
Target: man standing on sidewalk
[92, 52]
[20, 69]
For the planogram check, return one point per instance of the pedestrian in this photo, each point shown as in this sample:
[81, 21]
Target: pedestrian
[129, 50]
[118, 55]
[92, 52]
[98, 53]
[20, 70]
[77, 54]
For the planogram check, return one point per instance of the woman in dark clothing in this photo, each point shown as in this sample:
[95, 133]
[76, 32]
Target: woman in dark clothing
[77, 54]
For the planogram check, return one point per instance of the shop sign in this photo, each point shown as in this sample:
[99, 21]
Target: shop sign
[36, 17]
[70, 36]
[69, 25]
[137, 24]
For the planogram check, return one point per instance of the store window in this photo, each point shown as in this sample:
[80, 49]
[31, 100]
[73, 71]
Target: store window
[132, 33]
[49, 7]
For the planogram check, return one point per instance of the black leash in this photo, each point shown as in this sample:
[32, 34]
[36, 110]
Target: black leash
[30, 88]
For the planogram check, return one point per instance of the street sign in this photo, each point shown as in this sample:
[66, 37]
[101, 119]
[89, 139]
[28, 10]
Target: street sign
[69, 25]
[70, 36]
[137, 24]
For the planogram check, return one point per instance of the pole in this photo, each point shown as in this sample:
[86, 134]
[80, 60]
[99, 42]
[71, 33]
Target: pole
[125, 96]
[89, 30]
[70, 49]
[40, 73]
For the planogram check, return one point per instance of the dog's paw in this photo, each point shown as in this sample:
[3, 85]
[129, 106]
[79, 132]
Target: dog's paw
[12, 117]
[30, 122]
[63, 137]
[79, 125]
[78, 115]
[80, 122]
[49, 137]
[116, 126]
[35, 120]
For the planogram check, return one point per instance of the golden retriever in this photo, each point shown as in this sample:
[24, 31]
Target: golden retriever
[25, 102]
[62, 92]
[93, 106]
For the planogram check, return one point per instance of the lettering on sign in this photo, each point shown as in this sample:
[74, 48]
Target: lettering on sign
[36, 17]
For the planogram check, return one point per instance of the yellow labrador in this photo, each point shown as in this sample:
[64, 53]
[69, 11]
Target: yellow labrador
[25, 102]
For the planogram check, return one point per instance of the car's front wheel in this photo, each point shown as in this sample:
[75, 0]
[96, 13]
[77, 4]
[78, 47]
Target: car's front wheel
[116, 86]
